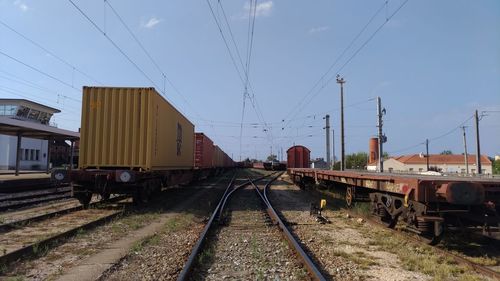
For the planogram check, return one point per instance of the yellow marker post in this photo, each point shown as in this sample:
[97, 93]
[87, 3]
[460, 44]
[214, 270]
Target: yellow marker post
[322, 205]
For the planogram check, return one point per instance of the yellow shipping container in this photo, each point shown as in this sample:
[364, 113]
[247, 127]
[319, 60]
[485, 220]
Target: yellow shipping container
[133, 128]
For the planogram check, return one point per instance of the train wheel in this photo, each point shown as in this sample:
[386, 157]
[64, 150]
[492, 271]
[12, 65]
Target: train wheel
[349, 196]
[384, 217]
[84, 198]
[430, 232]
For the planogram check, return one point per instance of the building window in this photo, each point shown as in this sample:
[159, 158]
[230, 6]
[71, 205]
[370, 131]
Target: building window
[473, 171]
[32, 154]
[26, 154]
[390, 170]
[37, 156]
[420, 169]
[410, 169]
[483, 171]
[462, 171]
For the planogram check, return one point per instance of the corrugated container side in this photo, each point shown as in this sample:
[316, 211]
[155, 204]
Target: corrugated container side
[133, 128]
[203, 151]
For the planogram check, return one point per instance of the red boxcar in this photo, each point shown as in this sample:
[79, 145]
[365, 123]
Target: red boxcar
[203, 153]
[298, 157]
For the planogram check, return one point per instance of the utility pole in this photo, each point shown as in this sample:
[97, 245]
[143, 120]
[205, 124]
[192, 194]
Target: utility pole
[327, 129]
[478, 149]
[333, 148]
[465, 152]
[381, 137]
[427, 152]
[341, 81]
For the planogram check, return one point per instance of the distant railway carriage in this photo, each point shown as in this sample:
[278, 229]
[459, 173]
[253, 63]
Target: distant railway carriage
[133, 141]
[298, 156]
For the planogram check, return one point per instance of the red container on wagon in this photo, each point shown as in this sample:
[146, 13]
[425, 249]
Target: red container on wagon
[203, 153]
[298, 157]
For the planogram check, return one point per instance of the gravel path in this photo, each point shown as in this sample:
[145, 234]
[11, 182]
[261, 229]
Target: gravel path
[248, 247]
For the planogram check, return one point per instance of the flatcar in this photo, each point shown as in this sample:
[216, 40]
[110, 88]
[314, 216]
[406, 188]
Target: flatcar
[426, 204]
[134, 142]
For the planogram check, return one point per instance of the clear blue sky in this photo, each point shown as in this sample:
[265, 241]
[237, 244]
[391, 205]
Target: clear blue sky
[433, 63]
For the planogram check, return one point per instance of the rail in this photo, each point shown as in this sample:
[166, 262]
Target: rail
[305, 259]
[184, 274]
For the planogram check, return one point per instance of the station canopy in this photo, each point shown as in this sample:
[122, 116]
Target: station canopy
[11, 126]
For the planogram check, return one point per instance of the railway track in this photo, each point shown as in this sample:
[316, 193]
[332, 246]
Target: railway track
[244, 240]
[16, 219]
[34, 235]
[14, 199]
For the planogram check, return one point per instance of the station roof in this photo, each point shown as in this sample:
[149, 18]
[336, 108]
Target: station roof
[28, 102]
[10, 126]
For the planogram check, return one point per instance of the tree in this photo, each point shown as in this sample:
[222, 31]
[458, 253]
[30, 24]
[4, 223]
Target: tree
[271, 157]
[356, 160]
[446, 152]
[496, 167]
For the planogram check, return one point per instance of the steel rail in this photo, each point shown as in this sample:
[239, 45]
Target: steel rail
[188, 266]
[29, 250]
[306, 260]
[19, 223]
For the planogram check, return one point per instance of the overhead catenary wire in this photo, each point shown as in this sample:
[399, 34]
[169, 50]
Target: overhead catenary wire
[433, 138]
[136, 66]
[49, 52]
[38, 70]
[339, 57]
[363, 45]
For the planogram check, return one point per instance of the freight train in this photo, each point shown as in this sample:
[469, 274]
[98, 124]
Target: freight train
[133, 141]
[425, 204]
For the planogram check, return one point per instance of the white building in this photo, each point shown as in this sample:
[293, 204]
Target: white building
[33, 152]
[442, 163]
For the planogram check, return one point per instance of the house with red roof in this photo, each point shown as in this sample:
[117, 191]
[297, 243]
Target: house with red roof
[452, 163]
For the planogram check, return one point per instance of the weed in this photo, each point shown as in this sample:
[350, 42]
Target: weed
[40, 250]
[206, 256]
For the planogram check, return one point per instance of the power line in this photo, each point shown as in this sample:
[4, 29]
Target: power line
[118, 48]
[38, 70]
[339, 57]
[165, 77]
[225, 41]
[302, 106]
[49, 52]
[435, 138]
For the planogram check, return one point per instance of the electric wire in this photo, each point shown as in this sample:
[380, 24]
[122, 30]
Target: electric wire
[49, 52]
[302, 106]
[119, 49]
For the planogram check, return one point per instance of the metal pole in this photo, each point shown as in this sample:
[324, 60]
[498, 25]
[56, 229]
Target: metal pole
[465, 152]
[341, 81]
[327, 129]
[71, 155]
[333, 148]
[18, 152]
[427, 152]
[478, 149]
[380, 136]
[49, 144]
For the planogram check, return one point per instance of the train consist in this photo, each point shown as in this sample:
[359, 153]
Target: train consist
[132, 141]
[426, 204]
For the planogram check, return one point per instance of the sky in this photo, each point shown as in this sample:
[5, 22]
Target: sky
[432, 63]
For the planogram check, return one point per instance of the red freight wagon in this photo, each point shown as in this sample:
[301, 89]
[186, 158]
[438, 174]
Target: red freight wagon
[203, 153]
[298, 156]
